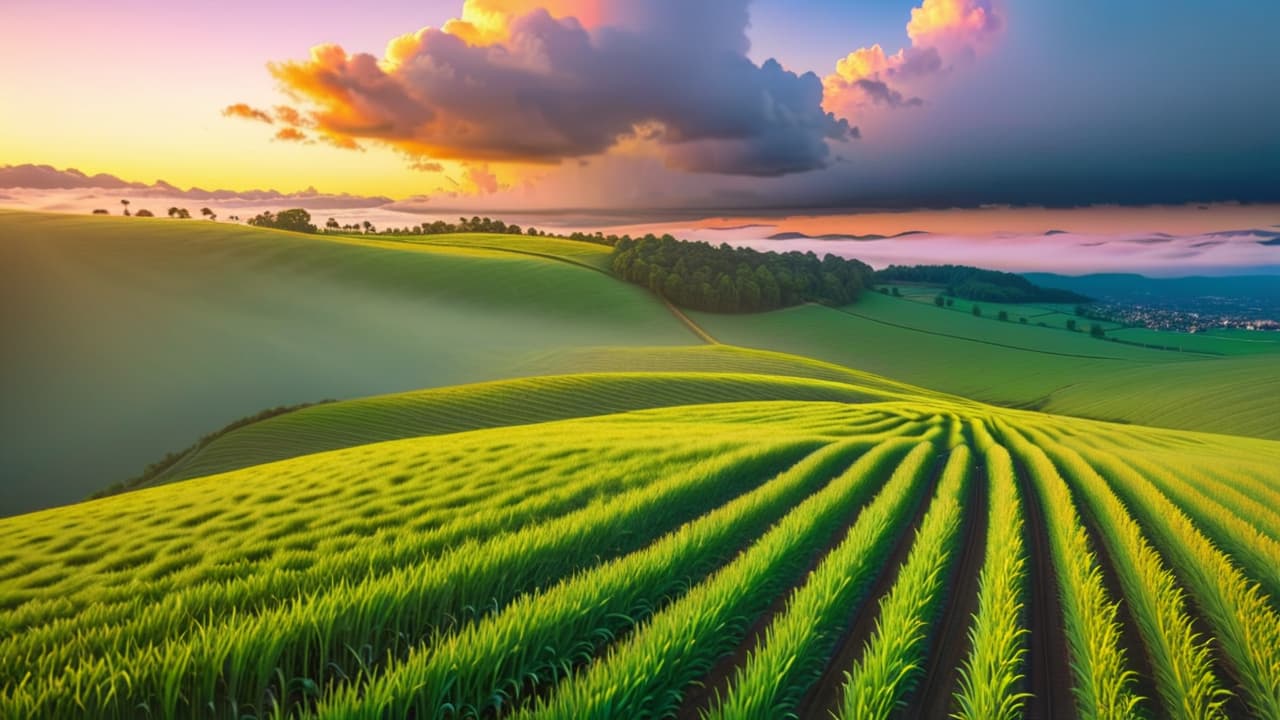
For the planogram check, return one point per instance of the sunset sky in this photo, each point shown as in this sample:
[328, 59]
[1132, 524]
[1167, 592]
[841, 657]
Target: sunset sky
[629, 103]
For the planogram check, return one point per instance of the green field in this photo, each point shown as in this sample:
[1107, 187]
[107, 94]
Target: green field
[126, 338]
[539, 499]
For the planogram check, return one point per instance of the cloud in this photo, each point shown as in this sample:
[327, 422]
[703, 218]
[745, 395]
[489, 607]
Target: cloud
[879, 93]
[522, 82]
[954, 29]
[241, 110]
[482, 180]
[290, 134]
[953, 24]
[289, 116]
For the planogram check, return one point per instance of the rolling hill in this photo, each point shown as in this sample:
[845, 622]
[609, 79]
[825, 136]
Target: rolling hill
[125, 338]
[597, 518]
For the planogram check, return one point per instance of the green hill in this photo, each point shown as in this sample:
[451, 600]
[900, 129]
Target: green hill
[125, 338]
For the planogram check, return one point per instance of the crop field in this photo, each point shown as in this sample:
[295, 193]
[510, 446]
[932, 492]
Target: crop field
[768, 558]
[126, 338]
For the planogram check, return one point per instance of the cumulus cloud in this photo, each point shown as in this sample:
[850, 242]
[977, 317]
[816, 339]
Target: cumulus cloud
[938, 29]
[540, 82]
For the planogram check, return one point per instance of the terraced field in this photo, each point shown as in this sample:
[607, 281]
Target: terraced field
[802, 557]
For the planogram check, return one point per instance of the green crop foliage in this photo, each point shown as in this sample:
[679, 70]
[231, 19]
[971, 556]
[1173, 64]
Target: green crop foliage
[992, 671]
[648, 675]
[792, 649]
[1243, 617]
[1182, 661]
[509, 560]
[1103, 680]
[892, 661]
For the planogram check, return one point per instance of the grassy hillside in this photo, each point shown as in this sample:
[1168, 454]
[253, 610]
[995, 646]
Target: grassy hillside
[1228, 395]
[583, 253]
[735, 560]
[125, 338]
[1020, 366]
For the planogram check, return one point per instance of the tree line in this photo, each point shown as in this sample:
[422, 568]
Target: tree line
[475, 224]
[701, 276]
[974, 283]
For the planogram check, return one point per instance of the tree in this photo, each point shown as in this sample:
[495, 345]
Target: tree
[101, 211]
[144, 213]
[206, 212]
[897, 292]
[1022, 320]
[368, 227]
[1071, 325]
[939, 300]
[673, 288]
[951, 302]
[179, 213]
[332, 225]
[125, 203]
[977, 311]
[1004, 315]
[296, 220]
[1096, 330]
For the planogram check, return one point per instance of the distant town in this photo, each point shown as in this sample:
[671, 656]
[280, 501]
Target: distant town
[1189, 316]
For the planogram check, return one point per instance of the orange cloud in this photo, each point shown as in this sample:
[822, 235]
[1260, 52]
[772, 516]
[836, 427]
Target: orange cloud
[938, 29]
[342, 143]
[290, 134]
[241, 110]
[290, 116]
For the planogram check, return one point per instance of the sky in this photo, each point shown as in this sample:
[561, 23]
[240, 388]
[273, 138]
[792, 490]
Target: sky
[764, 104]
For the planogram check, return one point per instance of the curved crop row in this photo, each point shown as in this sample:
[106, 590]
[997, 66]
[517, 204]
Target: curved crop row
[541, 637]
[1242, 617]
[893, 659]
[991, 673]
[1182, 661]
[1103, 682]
[241, 661]
[646, 675]
[91, 620]
[795, 646]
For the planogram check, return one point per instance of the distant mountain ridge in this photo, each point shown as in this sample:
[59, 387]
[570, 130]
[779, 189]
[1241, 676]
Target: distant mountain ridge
[47, 177]
[841, 236]
[1132, 285]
